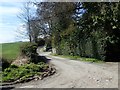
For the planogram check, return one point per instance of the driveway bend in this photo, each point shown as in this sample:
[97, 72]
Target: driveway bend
[77, 74]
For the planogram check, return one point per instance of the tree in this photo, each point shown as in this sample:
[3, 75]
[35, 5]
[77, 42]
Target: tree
[105, 25]
[53, 14]
[26, 15]
[76, 28]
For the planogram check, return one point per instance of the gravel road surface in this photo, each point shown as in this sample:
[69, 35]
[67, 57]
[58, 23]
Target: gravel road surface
[77, 74]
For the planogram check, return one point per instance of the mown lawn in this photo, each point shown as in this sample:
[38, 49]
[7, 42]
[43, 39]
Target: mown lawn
[10, 51]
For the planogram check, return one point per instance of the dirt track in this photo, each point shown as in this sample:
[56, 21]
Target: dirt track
[77, 74]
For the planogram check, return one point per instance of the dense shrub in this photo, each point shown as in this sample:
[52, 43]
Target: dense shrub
[41, 42]
[5, 63]
[48, 44]
[29, 50]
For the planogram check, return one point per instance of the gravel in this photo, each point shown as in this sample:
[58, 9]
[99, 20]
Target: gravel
[77, 74]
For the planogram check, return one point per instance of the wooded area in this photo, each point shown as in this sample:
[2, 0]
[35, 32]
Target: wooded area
[86, 29]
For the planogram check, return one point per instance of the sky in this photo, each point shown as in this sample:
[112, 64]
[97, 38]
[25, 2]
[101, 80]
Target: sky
[10, 24]
[9, 21]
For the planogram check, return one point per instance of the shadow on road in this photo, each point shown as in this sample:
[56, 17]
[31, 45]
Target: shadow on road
[7, 88]
[42, 59]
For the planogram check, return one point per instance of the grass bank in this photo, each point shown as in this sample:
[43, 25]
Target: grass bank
[36, 67]
[80, 58]
[10, 51]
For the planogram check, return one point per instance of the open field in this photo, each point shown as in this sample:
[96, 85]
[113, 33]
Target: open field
[10, 51]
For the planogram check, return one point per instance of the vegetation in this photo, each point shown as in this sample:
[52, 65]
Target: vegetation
[83, 29]
[36, 67]
[80, 58]
[14, 72]
[5, 63]
[40, 42]
[29, 50]
[87, 31]
[10, 51]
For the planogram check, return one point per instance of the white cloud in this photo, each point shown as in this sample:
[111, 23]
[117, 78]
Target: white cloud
[19, 0]
[9, 22]
[6, 35]
[12, 0]
[8, 10]
[23, 0]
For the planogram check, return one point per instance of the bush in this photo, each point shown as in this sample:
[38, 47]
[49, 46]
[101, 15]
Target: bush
[29, 50]
[41, 42]
[13, 66]
[5, 63]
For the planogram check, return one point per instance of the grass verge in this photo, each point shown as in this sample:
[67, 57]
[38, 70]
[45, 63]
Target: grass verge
[80, 58]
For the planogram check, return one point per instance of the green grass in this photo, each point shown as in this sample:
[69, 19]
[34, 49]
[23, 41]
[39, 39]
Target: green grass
[80, 58]
[10, 51]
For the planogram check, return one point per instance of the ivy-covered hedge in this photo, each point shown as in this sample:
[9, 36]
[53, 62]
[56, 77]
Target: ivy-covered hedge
[29, 50]
[88, 48]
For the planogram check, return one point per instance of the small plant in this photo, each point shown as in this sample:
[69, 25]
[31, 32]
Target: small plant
[14, 72]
